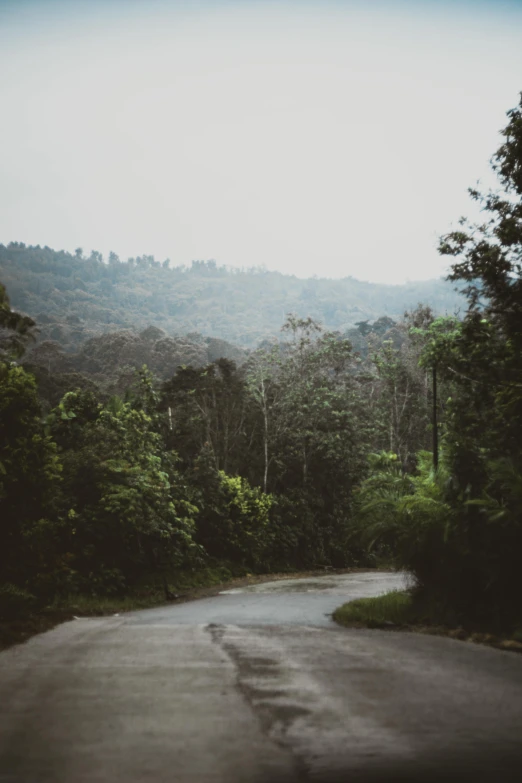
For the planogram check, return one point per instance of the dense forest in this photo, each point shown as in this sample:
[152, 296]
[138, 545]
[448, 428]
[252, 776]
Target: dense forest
[74, 298]
[312, 449]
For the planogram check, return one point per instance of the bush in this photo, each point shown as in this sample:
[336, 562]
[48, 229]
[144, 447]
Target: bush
[234, 524]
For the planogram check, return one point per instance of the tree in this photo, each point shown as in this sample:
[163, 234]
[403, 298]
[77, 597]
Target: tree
[263, 370]
[234, 523]
[484, 358]
[402, 400]
[320, 393]
[129, 504]
[322, 436]
[208, 412]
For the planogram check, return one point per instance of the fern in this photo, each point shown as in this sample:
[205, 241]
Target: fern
[404, 512]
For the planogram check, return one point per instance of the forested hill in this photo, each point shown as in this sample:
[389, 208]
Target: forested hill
[74, 297]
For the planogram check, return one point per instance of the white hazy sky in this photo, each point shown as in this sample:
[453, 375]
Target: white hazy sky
[317, 138]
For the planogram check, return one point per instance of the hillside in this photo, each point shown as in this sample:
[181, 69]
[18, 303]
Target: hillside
[74, 298]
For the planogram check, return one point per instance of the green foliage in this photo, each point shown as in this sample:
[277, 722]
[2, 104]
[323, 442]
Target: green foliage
[464, 552]
[126, 501]
[407, 514]
[484, 357]
[236, 529]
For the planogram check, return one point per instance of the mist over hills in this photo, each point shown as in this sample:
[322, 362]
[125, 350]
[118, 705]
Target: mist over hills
[74, 298]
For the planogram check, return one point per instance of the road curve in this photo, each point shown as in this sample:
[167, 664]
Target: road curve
[257, 685]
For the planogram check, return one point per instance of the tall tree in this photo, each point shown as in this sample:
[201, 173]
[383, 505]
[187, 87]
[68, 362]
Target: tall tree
[485, 356]
[208, 412]
[403, 392]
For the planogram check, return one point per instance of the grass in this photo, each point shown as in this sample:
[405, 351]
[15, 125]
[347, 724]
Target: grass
[400, 610]
[393, 608]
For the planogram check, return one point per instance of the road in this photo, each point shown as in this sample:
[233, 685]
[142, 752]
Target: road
[253, 686]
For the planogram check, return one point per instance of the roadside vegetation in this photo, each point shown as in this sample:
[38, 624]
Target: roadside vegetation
[457, 526]
[310, 454]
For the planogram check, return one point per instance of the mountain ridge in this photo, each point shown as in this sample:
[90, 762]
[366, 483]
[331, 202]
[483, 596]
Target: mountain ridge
[74, 298]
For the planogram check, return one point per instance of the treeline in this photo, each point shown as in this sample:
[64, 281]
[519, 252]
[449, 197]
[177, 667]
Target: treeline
[75, 297]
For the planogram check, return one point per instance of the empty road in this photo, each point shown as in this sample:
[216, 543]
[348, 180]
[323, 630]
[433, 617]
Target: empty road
[257, 685]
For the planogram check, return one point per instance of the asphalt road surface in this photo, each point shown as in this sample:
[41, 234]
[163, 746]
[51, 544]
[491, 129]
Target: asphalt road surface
[257, 685]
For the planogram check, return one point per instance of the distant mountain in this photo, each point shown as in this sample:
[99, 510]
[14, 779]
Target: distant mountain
[74, 298]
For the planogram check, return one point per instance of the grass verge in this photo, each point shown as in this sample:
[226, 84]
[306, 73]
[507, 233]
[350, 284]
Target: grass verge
[398, 610]
[393, 608]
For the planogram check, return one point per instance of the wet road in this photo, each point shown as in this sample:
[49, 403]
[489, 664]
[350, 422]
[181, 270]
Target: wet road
[257, 685]
[306, 601]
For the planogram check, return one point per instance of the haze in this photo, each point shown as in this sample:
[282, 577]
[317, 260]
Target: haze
[315, 138]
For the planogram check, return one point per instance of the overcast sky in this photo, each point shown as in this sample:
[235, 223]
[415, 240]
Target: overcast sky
[316, 138]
